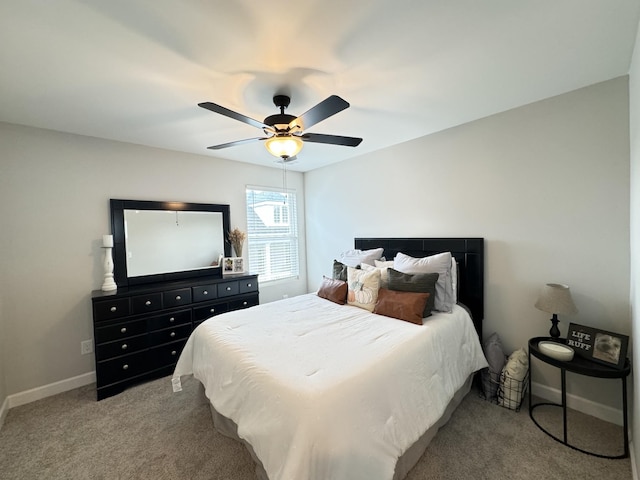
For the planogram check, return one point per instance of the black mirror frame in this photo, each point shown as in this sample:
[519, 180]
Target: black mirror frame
[118, 207]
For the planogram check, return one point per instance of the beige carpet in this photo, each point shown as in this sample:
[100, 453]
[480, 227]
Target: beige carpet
[148, 432]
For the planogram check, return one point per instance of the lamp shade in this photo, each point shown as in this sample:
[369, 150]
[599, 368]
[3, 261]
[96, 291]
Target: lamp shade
[556, 298]
[284, 145]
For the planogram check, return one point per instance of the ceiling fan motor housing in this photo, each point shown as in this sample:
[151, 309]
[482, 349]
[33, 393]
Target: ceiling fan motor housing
[280, 121]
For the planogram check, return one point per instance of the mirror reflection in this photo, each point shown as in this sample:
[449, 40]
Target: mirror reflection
[164, 241]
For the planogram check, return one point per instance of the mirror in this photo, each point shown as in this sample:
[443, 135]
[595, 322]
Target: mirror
[164, 241]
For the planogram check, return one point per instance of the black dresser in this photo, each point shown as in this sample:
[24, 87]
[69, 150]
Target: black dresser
[140, 331]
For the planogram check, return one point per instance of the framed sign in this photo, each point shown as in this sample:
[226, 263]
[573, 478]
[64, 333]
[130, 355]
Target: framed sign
[232, 265]
[598, 345]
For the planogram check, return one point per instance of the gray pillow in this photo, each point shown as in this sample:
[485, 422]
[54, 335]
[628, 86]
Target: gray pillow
[340, 271]
[496, 359]
[439, 263]
[418, 282]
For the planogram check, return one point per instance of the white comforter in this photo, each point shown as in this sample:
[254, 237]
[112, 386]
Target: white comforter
[325, 391]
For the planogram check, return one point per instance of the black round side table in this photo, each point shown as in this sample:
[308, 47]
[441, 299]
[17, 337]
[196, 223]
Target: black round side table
[581, 366]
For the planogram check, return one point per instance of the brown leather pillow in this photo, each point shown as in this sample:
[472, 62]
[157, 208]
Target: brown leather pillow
[407, 306]
[334, 290]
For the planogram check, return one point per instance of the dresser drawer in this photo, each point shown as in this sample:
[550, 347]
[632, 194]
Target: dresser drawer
[202, 313]
[247, 302]
[226, 289]
[120, 331]
[176, 298]
[105, 351]
[205, 292]
[146, 303]
[248, 286]
[110, 309]
[169, 320]
[166, 354]
[121, 368]
[169, 334]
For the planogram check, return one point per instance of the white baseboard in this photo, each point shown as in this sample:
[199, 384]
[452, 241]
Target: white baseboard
[45, 391]
[598, 410]
[4, 409]
[634, 471]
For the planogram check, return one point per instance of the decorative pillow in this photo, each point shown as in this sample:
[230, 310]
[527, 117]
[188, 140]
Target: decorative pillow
[334, 290]
[363, 288]
[353, 258]
[339, 271]
[383, 263]
[420, 282]
[454, 279]
[407, 306]
[496, 359]
[384, 273]
[440, 264]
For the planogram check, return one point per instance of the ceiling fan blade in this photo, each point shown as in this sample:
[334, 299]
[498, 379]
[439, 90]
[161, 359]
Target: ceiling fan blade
[331, 139]
[237, 142]
[325, 109]
[231, 114]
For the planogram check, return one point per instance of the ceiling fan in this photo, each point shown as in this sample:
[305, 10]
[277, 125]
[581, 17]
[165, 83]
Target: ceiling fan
[285, 134]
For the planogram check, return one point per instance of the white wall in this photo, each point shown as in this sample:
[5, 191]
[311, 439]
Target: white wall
[3, 390]
[634, 114]
[54, 206]
[546, 185]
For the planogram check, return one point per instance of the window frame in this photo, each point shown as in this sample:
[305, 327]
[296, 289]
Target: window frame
[282, 234]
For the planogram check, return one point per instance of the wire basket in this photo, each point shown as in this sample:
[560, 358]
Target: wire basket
[511, 391]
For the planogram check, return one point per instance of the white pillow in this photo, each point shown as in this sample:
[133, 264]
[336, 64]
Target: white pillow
[454, 279]
[353, 258]
[384, 272]
[383, 263]
[363, 288]
[440, 264]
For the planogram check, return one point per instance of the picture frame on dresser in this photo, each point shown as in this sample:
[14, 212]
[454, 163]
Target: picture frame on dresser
[232, 265]
[600, 346]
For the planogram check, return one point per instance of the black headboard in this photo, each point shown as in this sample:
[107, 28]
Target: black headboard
[468, 252]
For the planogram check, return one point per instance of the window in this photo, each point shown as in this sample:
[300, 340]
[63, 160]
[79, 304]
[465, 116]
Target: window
[272, 233]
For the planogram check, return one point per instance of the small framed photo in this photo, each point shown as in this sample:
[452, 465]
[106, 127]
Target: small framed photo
[232, 265]
[600, 346]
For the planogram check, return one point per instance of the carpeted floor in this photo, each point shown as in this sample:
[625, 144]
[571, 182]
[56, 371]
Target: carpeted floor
[148, 432]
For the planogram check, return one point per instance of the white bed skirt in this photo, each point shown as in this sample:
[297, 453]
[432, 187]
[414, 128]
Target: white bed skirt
[405, 463]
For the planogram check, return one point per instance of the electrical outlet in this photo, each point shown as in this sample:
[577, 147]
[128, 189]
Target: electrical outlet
[86, 347]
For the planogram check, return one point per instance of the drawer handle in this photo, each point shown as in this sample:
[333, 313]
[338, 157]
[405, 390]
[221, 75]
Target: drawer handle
[174, 353]
[113, 309]
[228, 289]
[147, 303]
[125, 367]
[172, 334]
[248, 284]
[124, 346]
[212, 310]
[178, 297]
[172, 319]
[123, 330]
[205, 293]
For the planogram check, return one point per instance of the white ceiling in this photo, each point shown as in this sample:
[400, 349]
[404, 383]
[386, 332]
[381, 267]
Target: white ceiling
[135, 70]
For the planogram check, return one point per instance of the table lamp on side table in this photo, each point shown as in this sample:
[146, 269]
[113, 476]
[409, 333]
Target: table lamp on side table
[556, 299]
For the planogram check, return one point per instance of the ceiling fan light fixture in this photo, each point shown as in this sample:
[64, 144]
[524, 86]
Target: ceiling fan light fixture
[284, 146]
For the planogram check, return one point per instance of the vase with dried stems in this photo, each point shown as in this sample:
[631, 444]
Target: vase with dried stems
[236, 239]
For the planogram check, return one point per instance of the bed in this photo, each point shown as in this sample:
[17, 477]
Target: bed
[319, 391]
